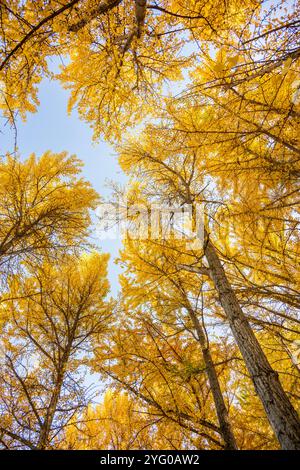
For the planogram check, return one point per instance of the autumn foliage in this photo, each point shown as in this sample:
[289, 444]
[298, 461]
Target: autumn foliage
[200, 348]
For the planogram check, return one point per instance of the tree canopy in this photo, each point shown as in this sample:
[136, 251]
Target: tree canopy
[200, 348]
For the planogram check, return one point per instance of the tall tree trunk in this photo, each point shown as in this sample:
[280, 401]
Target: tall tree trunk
[46, 428]
[280, 412]
[221, 410]
[51, 410]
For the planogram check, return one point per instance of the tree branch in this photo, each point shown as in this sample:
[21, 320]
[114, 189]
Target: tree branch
[35, 29]
[104, 7]
[195, 269]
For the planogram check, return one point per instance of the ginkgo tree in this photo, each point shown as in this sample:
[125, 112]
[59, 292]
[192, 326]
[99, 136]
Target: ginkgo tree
[158, 355]
[171, 294]
[45, 208]
[175, 175]
[162, 370]
[125, 424]
[227, 137]
[121, 52]
[48, 322]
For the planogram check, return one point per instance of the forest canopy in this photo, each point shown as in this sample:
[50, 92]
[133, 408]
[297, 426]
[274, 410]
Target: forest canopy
[200, 348]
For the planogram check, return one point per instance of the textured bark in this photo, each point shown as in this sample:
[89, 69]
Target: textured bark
[221, 410]
[140, 13]
[280, 412]
[103, 7]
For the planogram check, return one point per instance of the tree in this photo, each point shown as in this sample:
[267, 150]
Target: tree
[172, 296]
[184, 184]
[121, 423]
[44, 209]
[50, 320]
[129, 49]
[164, 375]
[227, 137]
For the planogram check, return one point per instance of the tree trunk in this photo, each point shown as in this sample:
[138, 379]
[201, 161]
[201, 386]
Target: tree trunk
[45, 430]
[221, 410]
[280, 412]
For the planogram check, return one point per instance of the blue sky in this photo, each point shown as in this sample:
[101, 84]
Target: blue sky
[52, 129]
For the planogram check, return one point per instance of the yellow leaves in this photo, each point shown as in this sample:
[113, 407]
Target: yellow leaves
[274, 240]
[116, 78]
[108, 79]
[50, 204]
[124, 423]
[72, 290]
[230, 141]
[222, 66]
[134, 194]
[104, 96]
[2, 93]
[287, 65]
[22, 63]
[220, 62]
[92, 272]
[215, 18]
[55, 313]
[233, 61]
[15, 97]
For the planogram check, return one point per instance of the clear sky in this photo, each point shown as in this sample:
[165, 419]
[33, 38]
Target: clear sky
[52, 129]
